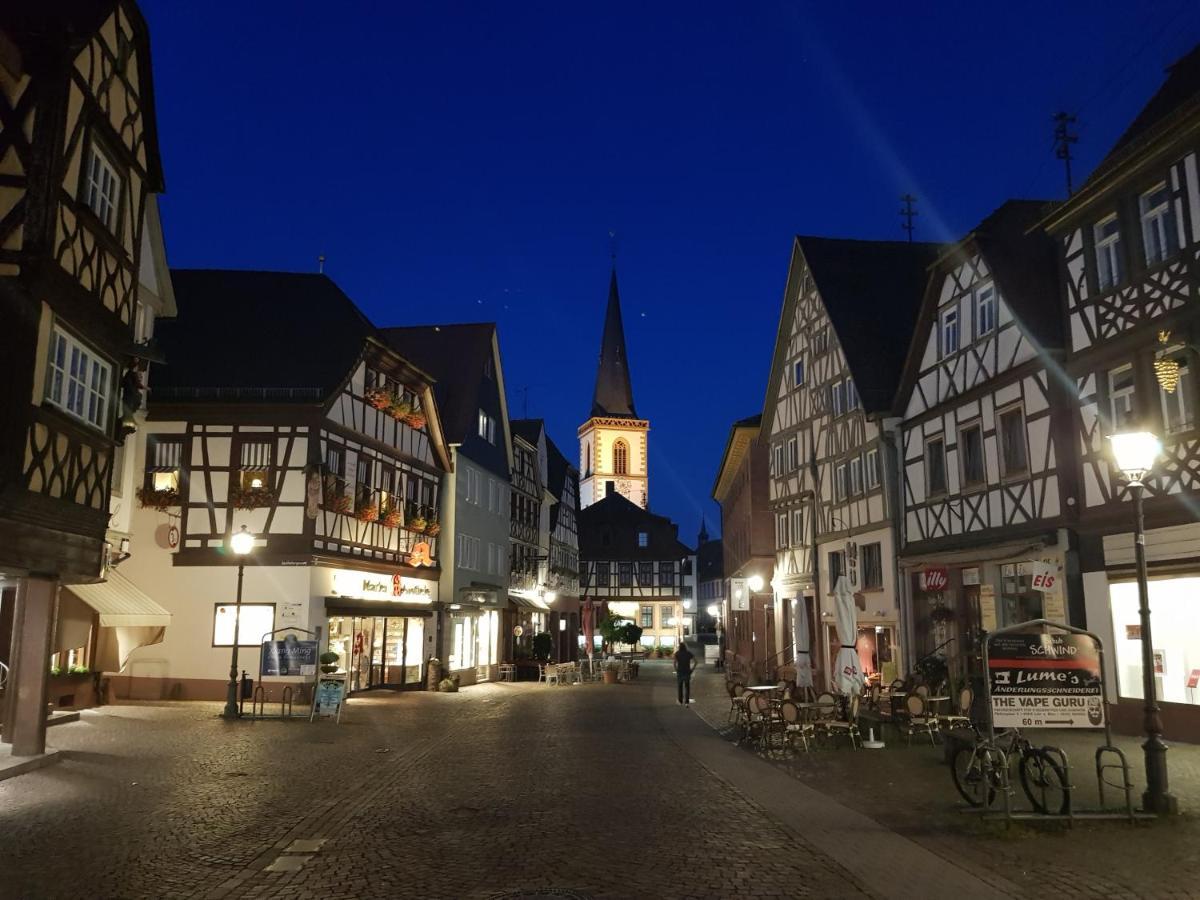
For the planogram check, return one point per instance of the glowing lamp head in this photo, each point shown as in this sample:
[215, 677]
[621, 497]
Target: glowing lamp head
[256, 483]
[755, 582]
[550, 596]
[713, 609]
[242, 542]
[1135, 453]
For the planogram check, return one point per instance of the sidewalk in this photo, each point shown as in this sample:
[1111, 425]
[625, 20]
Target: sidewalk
[910, 791]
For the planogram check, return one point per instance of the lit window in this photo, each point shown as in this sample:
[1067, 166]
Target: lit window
[1014, 454]
[487, 427]
[255, 473]
[935, 465]
[103, 189]
[256, 620]
[1107, 236]
[950, 331]
[643, 539]
[970, 454]
[647, 617]
[78, 381]
[985, 310]
[164, 463]
[1121, 398]
[1177, 405]
[1159, 238]
[620, 458]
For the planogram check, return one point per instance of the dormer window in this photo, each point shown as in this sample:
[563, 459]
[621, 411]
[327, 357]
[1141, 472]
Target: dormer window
[949, 331]
[1107, 236]
[102, 189]
[643, 539]
[1159, 238]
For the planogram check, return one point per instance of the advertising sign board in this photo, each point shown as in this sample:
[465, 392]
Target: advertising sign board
[330, 694]
[1045, 680]
[290, 656]
[935, 578]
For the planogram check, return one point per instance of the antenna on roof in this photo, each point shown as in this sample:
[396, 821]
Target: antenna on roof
[321, 264]
[909, 212]
[524, 390]
[612, 246]
[1063, 139]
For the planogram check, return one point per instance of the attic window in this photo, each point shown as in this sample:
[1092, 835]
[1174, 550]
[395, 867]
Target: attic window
[643, 539]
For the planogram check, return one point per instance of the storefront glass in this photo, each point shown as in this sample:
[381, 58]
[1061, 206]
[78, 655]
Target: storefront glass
[1175, 633]
[462, 642]
[1018, 602]
[487, 632]
[378, 651]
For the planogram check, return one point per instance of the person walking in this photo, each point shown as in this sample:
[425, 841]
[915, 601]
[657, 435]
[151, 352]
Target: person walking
[685, 664]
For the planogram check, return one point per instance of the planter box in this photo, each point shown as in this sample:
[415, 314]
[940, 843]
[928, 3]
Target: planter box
[71, 691]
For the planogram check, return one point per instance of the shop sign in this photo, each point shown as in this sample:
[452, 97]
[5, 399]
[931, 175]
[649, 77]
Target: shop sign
[1133, 632]
[987, 607]
[288, 657]
[935, 578]
[1042, 576]
[739, 595]
[1045, 681]
[331, 692]
[1194, 679]
[970, 576]
[375, 586]
[1160, 662]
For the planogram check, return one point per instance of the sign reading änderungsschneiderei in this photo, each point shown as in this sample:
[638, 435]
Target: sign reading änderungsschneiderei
[1045, 681]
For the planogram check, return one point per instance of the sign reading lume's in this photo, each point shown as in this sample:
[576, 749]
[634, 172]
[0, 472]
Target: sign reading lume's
[377, 586]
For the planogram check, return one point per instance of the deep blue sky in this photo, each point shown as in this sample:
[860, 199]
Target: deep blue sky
[465, 162]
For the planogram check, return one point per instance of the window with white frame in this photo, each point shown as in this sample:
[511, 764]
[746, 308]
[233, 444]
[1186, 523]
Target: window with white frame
[487, 427]
[985, 309]
[1121, 398]
[871, 569]
[970, 454]
[781, 531]
[838, 398]
[851, 395]
[102, 192]
[820, 340]
[1178, 405]
[793, 456]
[777, 459]
[78, 380]
[1159, 238]
[856, 475]
[798, 373]
[468, 552]
[797, 535]
[1014, 452]
[949, 331]
[872, 469]
[841, 481]
[1106, 234]
[935, 465]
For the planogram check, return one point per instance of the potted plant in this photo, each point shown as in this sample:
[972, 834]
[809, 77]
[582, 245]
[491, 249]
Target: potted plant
[392, 517]
[366, 510]
[399, 408]
[157, 499]
[251, 498]
[611, 670]
[379, 397]
[416, 520]
[432, 527]
[329, 662]
[415, 419]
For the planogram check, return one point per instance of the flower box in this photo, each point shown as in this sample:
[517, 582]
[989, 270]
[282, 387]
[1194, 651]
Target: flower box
[416, 523]
[433, 528]
[157, 499]
[338, 503]
[251, 498]
[391, 518]
[380, 398]
[366, 512]
[415, 419]
[399, 409]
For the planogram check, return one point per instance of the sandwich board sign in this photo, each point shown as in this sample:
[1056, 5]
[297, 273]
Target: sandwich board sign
[1045, 679]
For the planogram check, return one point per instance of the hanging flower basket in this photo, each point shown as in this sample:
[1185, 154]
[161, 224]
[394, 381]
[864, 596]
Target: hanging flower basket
[152, 499]
[391, 518]
[380, 398]
[416, 523]
[399, 409]
[367, 512]
[433, 528]
[251, 498]
[415, 419]
[338, 503]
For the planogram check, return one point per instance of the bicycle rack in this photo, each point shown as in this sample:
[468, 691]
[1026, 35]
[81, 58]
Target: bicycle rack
[258, 705]
[1126, 786]
[286, 703]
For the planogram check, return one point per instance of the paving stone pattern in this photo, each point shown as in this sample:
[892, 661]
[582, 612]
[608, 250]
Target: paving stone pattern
[500, 790]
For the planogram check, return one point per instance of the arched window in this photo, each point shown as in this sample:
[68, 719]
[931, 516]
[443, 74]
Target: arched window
[587, 459]
[620, 458]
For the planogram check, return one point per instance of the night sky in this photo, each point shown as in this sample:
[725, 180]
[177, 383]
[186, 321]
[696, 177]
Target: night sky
[466, 162]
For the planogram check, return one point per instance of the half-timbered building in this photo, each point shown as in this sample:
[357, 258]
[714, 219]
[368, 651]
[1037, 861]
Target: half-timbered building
[563, 576]
[1129, 244]
[78, 163]
[529, 593]
[848, 310]
[286, 414]
[465, 360]
[988, 478]
[633, 561]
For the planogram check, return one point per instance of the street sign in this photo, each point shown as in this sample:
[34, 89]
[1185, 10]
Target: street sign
[288, 657]
[739, 595]
[1045, 680]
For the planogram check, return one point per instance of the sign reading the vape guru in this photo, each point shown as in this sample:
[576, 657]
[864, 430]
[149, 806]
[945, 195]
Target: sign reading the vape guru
[1045, 681]
[379, 586]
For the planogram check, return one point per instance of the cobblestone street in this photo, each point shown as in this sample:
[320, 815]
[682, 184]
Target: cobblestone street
[591, 790]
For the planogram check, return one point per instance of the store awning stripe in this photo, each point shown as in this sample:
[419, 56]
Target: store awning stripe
[120, 602]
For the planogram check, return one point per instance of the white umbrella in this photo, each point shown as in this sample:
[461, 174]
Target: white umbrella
[848, 677]
[802, 644]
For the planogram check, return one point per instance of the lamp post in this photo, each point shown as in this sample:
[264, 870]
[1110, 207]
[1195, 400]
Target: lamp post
[1135, 454]
[242, 543]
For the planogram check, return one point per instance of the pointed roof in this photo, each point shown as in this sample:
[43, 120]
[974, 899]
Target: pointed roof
[614, 391]
[703, 538]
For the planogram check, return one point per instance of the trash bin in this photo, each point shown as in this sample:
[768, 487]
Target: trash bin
[247, 687]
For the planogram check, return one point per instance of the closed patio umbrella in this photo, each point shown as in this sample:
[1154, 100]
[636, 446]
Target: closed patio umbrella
[803, 644]
[847, 672]
[589, 624]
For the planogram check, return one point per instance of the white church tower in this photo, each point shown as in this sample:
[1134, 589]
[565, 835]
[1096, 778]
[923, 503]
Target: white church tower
[612, 442]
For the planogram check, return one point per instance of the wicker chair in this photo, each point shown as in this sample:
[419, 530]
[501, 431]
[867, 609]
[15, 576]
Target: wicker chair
[847, 726]
[919, 718]
[793, 724]
[961, 718]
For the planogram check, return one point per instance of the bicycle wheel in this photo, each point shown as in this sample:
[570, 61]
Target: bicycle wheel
[1045, 783]
[971, 777]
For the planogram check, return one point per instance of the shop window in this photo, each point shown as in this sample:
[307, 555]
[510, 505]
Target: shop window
[935, 465]
[647, 617]
[1019, 602]
[164, 463]
[970, 451]
[1014, 453]
[254, 472]
[666, 574]
[872, 566]
[1176, 648]
[625, 574]
[666, 616]
[257, 619]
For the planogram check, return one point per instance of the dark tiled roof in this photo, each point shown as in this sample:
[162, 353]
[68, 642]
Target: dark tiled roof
[528, 430]
[455, 355]
[872, 291]
[608, 529]
[754, 421]
[286, 331]
[614, 390]
[709, 560]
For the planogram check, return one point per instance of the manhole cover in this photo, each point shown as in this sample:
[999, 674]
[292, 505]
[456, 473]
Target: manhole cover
[540, 894]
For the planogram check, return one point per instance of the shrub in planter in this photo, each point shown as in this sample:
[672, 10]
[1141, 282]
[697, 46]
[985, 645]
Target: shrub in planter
[449, 685]
[416, 522]
[392, 517]
[153, 499]
[433, 528]
[380, 398]
[366, 512]
[329, 661]
[399, 409]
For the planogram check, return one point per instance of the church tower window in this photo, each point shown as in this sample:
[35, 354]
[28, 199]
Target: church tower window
[620, 458]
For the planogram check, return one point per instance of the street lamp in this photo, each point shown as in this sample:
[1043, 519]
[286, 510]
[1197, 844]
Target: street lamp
[755, 582]
[1135, 454]
[242, 543]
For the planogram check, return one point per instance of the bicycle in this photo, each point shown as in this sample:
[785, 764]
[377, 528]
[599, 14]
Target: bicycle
[980, 770]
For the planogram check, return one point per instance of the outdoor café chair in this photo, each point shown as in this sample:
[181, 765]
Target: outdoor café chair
[919, 718]
[759, 719]
[961, 718]
[794, 724]
[737, 700]
[921, 690]
[551, 674]
[847, 726]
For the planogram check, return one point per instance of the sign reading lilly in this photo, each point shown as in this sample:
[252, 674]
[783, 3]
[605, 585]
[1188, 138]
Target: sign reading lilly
[381, 586]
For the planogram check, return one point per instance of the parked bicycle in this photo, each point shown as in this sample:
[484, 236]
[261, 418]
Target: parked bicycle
[979, 772]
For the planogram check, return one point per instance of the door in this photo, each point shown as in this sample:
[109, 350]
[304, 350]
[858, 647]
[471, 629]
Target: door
[375, 645]
[414, 648]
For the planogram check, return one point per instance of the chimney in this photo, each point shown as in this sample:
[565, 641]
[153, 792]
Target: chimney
[610, 488]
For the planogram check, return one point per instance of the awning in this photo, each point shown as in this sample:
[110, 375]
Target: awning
[527, 603]
[121, 603]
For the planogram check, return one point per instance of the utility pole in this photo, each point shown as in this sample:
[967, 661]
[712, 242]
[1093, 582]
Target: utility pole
[1063, 139]
[321, 264]
[908, 212]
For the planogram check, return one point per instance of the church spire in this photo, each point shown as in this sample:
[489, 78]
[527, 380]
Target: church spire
[614, 391]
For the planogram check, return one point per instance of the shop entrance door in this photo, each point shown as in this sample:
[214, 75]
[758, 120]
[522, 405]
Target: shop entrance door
[384, 651]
